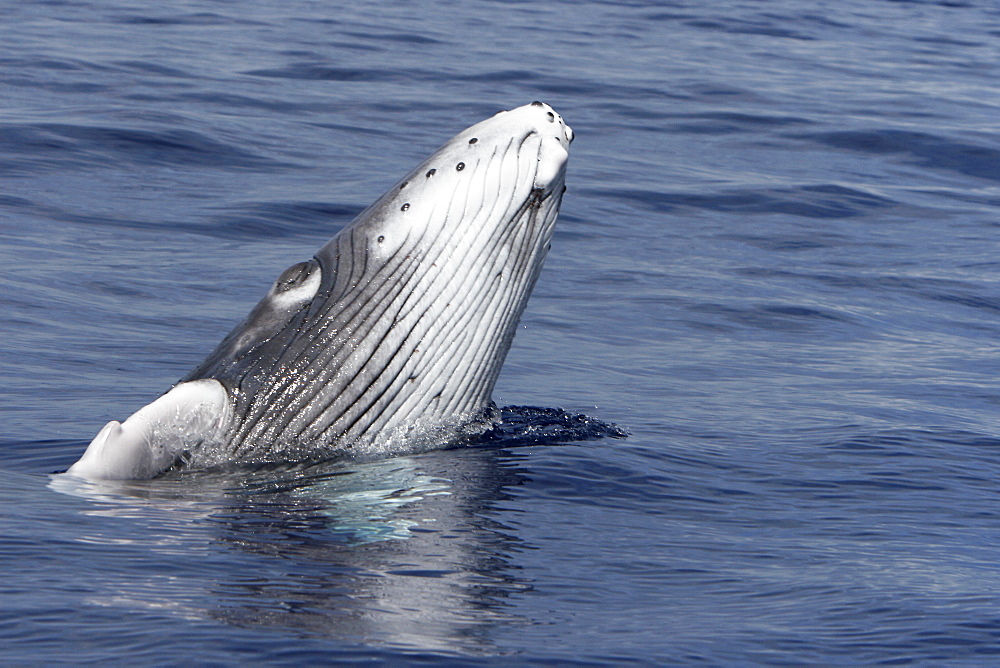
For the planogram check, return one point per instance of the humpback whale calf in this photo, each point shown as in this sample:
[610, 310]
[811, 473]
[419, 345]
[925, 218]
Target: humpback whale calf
[394, 331]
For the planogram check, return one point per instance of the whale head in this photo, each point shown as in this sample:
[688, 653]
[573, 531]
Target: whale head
[398, 327]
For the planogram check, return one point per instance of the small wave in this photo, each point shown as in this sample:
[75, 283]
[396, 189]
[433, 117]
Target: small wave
[382, 37]
[58, 146]
[926, 150]
[266, 220]
[822, 201]
[190, 19]
[779, 317]
[324, 72]
[728, 122]
[764, 27]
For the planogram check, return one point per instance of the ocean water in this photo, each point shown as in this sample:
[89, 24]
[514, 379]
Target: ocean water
[776, 267]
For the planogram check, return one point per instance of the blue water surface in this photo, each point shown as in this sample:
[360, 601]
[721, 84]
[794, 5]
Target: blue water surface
[777, 267]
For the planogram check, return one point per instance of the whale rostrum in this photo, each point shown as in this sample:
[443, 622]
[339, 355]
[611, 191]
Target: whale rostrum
[394, 332]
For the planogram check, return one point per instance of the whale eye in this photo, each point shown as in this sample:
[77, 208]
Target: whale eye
[552, 117]
[460, 166]
[473, 140]
[381, 238]
[536, 103]
[431, 172]
[294, 276]
[405, 207]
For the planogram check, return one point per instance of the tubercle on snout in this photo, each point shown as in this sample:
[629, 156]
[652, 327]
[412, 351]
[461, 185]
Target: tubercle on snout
[537, 126]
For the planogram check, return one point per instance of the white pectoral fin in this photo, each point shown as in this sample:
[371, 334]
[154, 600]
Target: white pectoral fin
[149, 441]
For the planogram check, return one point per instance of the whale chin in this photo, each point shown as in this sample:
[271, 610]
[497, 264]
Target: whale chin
[393, 333]
[159, 435]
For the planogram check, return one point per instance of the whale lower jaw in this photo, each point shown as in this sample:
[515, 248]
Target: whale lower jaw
[156, 436]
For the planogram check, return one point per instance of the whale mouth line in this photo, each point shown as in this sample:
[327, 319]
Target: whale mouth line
[391, 338]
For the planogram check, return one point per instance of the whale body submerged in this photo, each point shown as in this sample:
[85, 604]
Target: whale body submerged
[395, 330]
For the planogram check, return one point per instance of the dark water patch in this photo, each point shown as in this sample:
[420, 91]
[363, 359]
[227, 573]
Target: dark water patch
[58, 146]
[238, 104]
[67, 65]
[255, 221]
[970, 307]
[498, 76]
[269, 220]
[31, 81]
[915, 442]
[559, 86]
[311, 71]
[721, 123]
[923, 149]
[984, 199]
[606, 488]
[948, 41]
[950, 4]
[814, 201]
[823, 21]
[715, 92]
[355, 129]
[790, 243]
[667, 17]
[40, 457]
[190, 19]
[623, 114]
[765, 28]
[848, 484]
[148, 67]
[921, 465]
[28, 151]
[614, 481]
[934, 289]
[51, 212]
[865, 280]
[9, 201]
[978, 302]
[776, 317]
[401, 37]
